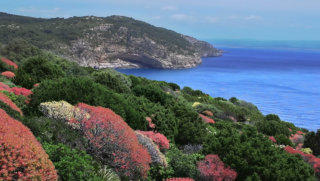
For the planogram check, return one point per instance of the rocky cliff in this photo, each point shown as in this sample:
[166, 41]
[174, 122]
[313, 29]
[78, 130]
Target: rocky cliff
[115, 41]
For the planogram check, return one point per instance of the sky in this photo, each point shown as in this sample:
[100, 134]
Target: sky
[204, 19]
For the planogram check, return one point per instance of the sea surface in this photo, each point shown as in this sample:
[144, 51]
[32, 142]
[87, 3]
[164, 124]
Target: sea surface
[283, 81]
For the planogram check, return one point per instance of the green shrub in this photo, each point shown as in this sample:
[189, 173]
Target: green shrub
[55, 132]
[113, 80]
[174, 86]
[283, 140]
[183, 165]
[164, 119]
[153, 92]
[312, 140]
[19, 49]
[72, 164]
[191, 128]
[272, 126]
[35, 69]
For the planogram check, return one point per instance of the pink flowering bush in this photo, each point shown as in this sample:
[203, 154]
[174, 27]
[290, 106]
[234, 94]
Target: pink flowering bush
[112, 141]
[297, 138]
[21, 155]
[8, 74]
[9, 63]
[212, 168]
[4, 87]
[158, 138]
[21, 91]
[206, 119]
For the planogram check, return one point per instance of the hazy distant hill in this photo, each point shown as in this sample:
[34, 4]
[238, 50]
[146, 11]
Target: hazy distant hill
[114, 41]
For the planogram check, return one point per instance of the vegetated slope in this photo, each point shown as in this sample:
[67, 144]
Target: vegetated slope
[101, 124]
[115, 41]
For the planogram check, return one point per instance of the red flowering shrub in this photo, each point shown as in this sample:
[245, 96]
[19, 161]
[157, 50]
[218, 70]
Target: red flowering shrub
[297, 138]
[179, 179]
[272, 139]
[212, 168]
[150, 123]
[7, 101]
[9, 62]
[8, 74]
[113, 141]
[206, 119]
[21, 155]
[21, 91]
[4, 87]
[311, 159]
[36, 85]
[158, 138]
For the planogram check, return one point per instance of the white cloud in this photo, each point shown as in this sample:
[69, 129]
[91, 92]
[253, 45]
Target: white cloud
[252, 17]
[211, 19]
[183, 17]
[169, 8]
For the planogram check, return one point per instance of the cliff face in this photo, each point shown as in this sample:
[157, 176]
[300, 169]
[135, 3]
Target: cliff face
[113, 42]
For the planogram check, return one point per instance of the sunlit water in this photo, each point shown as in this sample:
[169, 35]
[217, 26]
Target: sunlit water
[284, 82]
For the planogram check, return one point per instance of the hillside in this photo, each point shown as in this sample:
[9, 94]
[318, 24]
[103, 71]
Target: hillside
[61, 121]
[115, 41]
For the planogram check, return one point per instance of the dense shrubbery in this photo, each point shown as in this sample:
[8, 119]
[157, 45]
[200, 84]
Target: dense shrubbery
[113, 80]
[35, 69]
[19, 49]
[83, 89]
[164, 120]
[252, 154]
[182, 165]
[71, 163]
[21, 155]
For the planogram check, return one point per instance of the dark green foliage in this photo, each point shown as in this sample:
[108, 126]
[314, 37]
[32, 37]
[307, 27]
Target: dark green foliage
[174, 86]
[272, 126]
[183, 165]
[153, 92]
[113, 80]
[19, 49]
[283, 140]
[191, 128]
[55, 132]
[251, 155]
[72, 164]
[83, 89]
[164, 119]
[312, 141]
[35, 69]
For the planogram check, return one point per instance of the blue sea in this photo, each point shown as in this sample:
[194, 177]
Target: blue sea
[283, 81]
